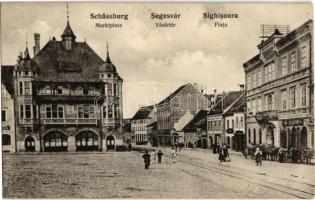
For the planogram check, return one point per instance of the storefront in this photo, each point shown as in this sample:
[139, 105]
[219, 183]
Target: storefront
[294, 133]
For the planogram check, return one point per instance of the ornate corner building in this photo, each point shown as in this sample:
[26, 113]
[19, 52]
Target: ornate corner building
[280, 84]
[67, 98]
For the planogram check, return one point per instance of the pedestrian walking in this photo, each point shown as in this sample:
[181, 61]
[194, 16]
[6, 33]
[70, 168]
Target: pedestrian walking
[221, 154]
[129, 146]
[214, 150]
[245, 152]
[173, 152]
[147, 160]
[159, 154]
[226, 153]
[218, 148]
[258, 155]
[281, 155]
[153, 155]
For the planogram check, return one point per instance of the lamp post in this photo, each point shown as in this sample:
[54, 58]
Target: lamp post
[99, 101]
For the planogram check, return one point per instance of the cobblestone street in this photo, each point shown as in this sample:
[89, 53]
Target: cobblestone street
[196, 174]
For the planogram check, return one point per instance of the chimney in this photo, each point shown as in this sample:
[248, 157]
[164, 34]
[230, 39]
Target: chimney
[242, 87]
[37, 43]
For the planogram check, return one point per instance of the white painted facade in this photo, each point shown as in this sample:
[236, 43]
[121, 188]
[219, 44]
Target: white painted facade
[7, 121]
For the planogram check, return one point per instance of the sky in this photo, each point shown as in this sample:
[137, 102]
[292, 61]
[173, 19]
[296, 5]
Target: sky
[155, 61]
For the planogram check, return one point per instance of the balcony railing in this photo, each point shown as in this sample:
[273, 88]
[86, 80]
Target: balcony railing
[70, 121]
[65, 98]
[265, 116]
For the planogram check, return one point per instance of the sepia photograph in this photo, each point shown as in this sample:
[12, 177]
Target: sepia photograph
[157, 100]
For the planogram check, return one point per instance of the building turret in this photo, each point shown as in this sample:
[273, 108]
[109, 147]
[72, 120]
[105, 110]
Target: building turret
[68, 37]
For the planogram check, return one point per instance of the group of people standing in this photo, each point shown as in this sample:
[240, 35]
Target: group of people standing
[223, 153]
[147, 158]
[225, 157]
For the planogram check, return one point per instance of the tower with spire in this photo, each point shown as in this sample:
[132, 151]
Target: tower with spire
[55, 94]
[68, 37]
[113, 91]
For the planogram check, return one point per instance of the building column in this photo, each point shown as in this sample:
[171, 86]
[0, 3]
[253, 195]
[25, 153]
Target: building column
[37, 145]
[104, 144]
[71, 143]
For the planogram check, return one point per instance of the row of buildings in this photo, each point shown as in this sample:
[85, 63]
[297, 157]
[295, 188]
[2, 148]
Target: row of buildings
[280, 89]
[67, 98]
[64, 98]
[275, 108]
[190, 118]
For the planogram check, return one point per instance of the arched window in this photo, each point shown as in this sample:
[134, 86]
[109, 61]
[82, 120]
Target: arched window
[283, 138]
[6, 139]
[293, 137]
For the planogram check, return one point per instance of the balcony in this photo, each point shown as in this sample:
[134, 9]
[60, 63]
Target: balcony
[65, 98]
[70, 121]
[295, 112]
[265, 116]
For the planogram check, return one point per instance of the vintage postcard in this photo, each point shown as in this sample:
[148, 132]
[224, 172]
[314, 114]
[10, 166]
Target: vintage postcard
[135, 100]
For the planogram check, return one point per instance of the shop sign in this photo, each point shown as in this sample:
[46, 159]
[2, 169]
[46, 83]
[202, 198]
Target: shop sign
[292, 122]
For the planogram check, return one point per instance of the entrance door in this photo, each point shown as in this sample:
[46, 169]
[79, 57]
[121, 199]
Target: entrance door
[110, 142]
[204, 143]
[240, 140]
[29, 144]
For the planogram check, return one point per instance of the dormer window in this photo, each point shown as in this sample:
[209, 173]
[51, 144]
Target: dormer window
[47, 89]
[59, 90]
[85, 91]
[79, 90]
[91, 91]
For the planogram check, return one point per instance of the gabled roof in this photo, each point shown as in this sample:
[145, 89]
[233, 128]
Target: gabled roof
[143, 112]
[238, 106]
[225, 102]
[167, 99]
[7, 77]
[193, 124]
[56, 64]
